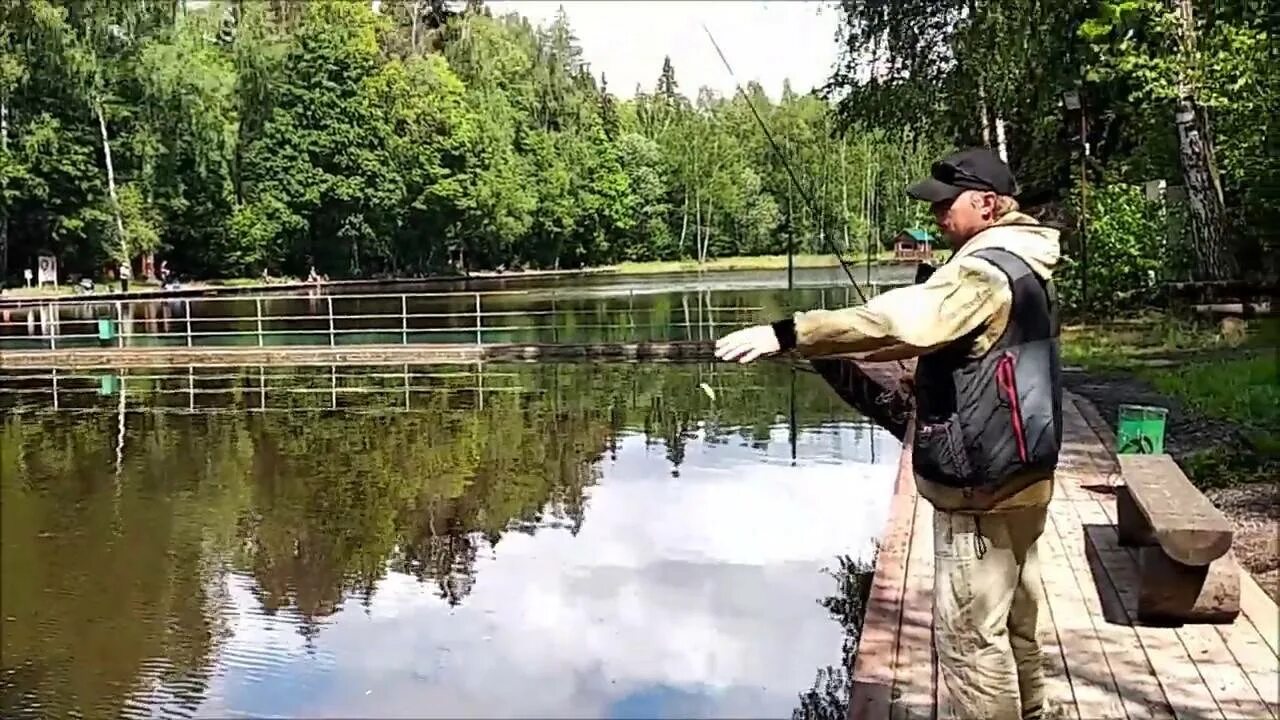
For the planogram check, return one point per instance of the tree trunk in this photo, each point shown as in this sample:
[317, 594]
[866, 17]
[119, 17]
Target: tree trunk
[697, 226]
[125, 269]
[705, 243]
[982, 112]
[4, 219]
[684, 222]
[844, 194]
[1000, 142]
[1204, 199]
[413, 32]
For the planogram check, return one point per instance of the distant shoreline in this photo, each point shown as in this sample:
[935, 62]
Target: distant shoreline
[17, 297]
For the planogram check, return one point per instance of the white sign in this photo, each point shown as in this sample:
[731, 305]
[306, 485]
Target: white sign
[1154, 190]
[48, 266]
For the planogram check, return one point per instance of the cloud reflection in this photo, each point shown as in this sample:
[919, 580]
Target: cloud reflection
[689, 596]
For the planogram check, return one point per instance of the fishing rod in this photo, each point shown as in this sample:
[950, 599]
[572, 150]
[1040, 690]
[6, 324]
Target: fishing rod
[804, 193]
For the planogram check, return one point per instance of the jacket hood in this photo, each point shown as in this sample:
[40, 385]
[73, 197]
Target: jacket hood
[1023, 236]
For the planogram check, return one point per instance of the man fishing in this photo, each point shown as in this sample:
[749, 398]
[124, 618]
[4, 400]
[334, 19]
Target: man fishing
[986, 396]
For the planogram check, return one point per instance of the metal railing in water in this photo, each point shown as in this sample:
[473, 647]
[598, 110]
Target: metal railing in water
[363, 319]
[254, 389]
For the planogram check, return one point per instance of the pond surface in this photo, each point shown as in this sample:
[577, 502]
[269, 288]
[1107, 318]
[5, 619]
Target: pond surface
[575, 540]
[558, 309]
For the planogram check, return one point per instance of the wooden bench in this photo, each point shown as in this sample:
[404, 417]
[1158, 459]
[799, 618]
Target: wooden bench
[1187, 572]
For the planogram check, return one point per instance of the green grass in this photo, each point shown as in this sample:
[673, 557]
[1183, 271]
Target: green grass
[1238, 384]
[1244, 391]
[1121, 345]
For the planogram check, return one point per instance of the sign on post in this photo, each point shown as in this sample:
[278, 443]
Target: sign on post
[47, 270]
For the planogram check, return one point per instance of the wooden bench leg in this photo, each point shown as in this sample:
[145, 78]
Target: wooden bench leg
[1132, 528]
[1173, 593]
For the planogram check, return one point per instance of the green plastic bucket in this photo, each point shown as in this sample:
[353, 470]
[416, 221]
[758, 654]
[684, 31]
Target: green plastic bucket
[106, 330]
[1140, 430]
[108, 384]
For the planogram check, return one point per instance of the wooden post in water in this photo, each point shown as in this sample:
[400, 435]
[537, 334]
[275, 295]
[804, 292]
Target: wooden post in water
[55, 388]
[257, 302]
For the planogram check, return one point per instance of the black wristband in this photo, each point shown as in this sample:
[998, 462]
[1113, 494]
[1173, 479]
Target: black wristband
[785, 331]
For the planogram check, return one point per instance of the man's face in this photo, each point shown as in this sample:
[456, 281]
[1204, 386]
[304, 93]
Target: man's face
[969, 213]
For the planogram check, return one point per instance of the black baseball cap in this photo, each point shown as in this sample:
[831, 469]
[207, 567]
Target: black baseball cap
[972, 169]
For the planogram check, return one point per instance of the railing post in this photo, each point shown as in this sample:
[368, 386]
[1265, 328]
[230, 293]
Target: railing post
[53, 329]
[186, 303]
[478, 329]
[404, 319]
[332, 342]
[120, 319]
[257, 302]
[555, 320]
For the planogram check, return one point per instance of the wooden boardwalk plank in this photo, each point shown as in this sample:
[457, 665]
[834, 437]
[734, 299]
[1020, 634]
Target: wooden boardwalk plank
[1203, 647]
[874, 666]
[1100, 662]
[1092, 684]
[1131, 672]
[1261, 611]
[1057, 686]
[915, 669]
[1257, 661]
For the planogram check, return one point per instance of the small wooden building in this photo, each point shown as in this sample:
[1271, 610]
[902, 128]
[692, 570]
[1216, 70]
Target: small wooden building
[912, 244]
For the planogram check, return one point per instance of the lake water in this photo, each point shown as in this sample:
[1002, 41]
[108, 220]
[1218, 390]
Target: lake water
[556, 309]
[533, 540]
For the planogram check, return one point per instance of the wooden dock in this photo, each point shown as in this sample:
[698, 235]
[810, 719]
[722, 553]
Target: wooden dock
[1100, 662]
[420, 354]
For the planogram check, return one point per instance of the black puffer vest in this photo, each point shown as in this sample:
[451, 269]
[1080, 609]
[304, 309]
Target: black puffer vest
[995, 420]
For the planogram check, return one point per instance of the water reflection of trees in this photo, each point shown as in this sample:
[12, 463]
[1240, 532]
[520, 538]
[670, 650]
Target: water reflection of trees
[315, 505]
[828, 699]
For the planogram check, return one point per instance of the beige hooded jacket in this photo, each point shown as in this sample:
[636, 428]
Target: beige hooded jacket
[963, 295]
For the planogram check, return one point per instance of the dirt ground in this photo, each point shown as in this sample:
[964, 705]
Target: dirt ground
[1253, 507]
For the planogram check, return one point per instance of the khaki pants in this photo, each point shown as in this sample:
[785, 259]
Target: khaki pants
[987, 598]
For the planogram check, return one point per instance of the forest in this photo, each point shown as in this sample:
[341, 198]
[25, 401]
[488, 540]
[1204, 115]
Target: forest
[408, 137]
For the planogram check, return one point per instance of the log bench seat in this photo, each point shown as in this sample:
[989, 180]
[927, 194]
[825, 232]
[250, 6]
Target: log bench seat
[1187, 572]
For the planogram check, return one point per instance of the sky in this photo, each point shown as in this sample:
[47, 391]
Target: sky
[764, 41]
[679, 597]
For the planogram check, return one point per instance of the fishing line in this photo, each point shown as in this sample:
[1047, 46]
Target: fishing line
[768, 136]
[804, 193]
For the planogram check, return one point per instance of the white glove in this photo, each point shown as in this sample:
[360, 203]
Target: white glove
[748, 344]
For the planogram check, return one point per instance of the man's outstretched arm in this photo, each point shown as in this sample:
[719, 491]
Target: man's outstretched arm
[906, 322]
